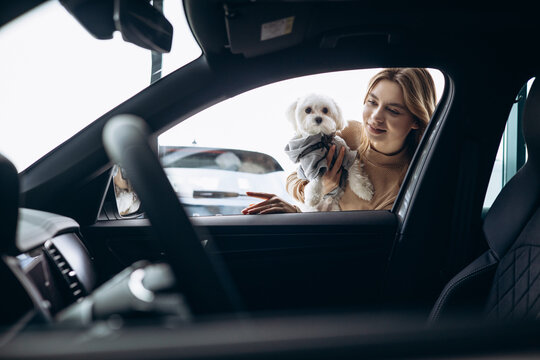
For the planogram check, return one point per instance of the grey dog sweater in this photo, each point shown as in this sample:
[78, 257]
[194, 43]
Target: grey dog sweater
[310, 152]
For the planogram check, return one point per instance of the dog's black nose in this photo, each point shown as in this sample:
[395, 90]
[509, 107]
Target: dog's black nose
[318, 119]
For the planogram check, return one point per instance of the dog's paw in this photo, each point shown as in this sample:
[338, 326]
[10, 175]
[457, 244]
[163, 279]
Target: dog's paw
[363, 191]
[359, 183]
[313, 200]
[312, 193]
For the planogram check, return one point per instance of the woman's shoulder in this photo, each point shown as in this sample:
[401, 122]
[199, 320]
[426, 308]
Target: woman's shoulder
[352, 133]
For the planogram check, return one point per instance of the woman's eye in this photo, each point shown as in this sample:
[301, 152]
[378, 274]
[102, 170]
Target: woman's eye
[325, 110]
[395, 112]
[308, 110]
[371, 102]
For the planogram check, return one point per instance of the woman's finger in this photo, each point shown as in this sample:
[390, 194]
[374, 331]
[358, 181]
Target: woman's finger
[337, 164]
[249, 210]
[330, 155]
[272, 210]
[339, 160]
[259, 209]
[255, 206]
[338, 176]
[260, 195]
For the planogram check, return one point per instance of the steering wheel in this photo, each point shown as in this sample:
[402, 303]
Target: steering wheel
[200, 276]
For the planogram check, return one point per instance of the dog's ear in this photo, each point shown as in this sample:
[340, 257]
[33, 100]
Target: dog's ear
[340, 121]
[290, 114]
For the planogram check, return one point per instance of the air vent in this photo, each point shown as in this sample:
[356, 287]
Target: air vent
[70, 276]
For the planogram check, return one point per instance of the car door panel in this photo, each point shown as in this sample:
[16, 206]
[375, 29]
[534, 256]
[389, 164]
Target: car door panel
[276, 261]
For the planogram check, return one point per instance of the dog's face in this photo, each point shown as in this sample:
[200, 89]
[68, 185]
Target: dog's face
[315, 114]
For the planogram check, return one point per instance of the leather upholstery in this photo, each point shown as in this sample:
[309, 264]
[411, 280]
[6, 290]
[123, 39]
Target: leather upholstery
[508, 274]
[467, 291]
[516, 287]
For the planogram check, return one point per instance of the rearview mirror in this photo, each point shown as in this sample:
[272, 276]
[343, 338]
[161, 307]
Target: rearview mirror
[137, 20]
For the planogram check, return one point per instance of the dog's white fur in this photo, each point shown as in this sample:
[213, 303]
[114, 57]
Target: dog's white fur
[305, 124]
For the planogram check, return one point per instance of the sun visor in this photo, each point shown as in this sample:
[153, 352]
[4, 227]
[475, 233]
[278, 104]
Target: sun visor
[255, 30]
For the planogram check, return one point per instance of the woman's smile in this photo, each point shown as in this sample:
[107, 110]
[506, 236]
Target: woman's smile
[375, 130]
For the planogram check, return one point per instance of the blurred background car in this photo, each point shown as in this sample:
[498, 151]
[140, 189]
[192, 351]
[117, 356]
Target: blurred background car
[214, 181]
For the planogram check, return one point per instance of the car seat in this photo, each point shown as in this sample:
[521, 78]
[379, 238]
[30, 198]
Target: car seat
[506, 278]
[9, 205]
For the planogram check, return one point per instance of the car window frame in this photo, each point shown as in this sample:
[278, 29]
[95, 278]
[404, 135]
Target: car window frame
[431, 128]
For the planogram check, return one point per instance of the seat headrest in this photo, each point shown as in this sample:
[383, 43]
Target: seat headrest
[520, 197]
[9, 205]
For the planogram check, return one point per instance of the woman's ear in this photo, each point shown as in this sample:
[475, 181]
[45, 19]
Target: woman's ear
[290, 113]
[415, 125]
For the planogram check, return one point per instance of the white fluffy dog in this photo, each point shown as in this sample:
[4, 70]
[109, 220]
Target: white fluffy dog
[316, 118]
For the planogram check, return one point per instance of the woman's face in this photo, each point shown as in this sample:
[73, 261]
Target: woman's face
[386, 119]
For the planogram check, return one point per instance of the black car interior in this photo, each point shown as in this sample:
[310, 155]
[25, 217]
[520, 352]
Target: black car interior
[199, 284]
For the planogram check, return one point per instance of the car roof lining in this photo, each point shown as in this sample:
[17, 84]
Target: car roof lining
[237, 26]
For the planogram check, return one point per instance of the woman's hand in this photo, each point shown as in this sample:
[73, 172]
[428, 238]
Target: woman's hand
[272, 204]
[330, 180]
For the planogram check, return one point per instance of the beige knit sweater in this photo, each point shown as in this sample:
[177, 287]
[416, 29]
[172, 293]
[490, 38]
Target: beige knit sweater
[385, 172]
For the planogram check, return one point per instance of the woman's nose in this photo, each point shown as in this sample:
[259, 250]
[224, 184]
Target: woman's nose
[377, 115]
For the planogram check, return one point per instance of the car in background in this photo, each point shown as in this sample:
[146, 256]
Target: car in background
[214, 181]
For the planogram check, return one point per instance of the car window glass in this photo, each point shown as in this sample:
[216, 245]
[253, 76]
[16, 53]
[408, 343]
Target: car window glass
[57, 78]
[512, 152]
[252, 126]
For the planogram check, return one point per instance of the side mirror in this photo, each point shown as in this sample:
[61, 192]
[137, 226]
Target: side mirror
[137, 20]
[127, 201]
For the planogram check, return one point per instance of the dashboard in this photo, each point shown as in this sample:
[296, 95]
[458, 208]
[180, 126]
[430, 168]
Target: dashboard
[52, 271]
[52, 279]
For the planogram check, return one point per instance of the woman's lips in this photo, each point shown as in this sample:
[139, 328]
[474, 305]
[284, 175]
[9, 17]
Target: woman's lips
[375, 130]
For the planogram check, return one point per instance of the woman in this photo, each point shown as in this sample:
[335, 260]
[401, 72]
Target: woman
[397, 108]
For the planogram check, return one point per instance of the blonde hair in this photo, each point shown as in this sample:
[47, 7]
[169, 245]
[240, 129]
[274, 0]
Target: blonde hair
[419, 94]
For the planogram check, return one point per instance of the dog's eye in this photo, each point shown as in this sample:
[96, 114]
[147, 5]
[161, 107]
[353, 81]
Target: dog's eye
[308, 110]
[325, 110]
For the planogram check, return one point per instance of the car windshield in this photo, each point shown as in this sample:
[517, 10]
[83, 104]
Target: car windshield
[57, 78]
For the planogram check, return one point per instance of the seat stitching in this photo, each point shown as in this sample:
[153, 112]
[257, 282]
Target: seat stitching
[538, 297]
[512, 288]
[495, 306]
[515, 282]
[528, 285]
[503, 271]
[497, 281]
